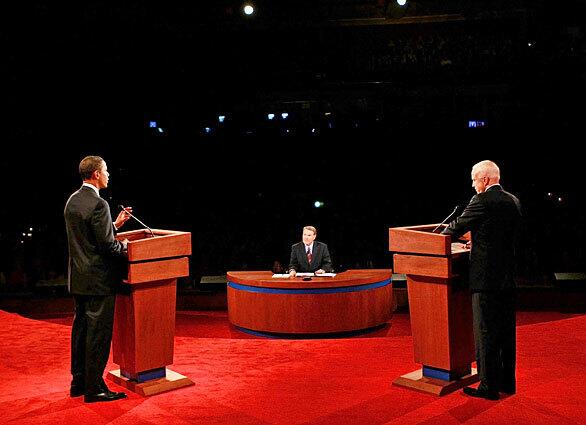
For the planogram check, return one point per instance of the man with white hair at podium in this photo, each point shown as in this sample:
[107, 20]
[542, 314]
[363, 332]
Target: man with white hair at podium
[493, 217]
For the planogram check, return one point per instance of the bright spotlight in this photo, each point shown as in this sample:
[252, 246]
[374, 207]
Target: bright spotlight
[221, 118]
[401, 2]
[248, 9]
[318, 204]
[270, 116]
[284, 115]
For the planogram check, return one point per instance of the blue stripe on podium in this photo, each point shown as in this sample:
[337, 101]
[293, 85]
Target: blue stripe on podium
[147, 375]
[443, 374]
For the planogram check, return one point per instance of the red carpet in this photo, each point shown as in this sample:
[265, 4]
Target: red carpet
[242, 379]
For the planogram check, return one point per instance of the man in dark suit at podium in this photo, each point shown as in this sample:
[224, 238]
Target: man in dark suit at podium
[309, 255]
[95, 265]
[493, 217]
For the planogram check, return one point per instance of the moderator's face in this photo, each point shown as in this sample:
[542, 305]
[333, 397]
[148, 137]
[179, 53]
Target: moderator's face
[308, 237]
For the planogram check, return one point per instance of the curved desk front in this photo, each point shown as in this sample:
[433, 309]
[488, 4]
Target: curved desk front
[350, 301]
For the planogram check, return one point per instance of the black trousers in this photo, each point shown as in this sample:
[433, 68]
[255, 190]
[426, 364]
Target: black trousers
[91, 336]
[495, 338]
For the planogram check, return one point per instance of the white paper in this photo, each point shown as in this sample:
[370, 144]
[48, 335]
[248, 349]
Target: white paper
[326, 274]
[281, 275]
[305, 274]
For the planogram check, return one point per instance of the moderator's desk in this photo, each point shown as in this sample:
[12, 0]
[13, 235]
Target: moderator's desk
[352, 300]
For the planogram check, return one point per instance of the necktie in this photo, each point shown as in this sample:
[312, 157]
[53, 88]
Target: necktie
[309, 256]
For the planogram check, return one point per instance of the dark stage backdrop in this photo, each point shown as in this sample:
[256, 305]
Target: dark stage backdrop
[245, 204]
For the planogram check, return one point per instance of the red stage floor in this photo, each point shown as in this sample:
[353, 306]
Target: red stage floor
[242, 379]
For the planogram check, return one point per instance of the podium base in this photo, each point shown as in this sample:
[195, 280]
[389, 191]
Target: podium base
[172, 381]
[416, 381]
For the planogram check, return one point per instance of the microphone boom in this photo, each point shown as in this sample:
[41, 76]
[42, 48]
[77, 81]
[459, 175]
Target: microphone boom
[130, 214]
[445, 219]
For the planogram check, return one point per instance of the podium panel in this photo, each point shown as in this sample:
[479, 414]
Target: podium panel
[423, 266]
[157, 270]
[146, 327]
[144, 324]
[440, 308]
[441, 324]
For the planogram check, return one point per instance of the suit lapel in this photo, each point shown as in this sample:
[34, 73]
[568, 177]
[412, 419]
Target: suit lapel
[304, 255]
[315, 252]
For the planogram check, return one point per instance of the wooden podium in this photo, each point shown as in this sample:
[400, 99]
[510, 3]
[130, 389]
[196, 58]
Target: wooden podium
[144, 324]
[440, 308]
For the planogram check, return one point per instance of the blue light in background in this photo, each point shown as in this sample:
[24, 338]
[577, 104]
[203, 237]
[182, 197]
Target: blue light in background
[476, 124]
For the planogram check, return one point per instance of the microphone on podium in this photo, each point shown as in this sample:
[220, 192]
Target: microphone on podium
[448, 218]
[130, 214]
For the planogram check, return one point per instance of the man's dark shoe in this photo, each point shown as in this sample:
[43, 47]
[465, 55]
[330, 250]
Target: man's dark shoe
[507, 390]
[103, 396]
[76, 390]
[481, 393]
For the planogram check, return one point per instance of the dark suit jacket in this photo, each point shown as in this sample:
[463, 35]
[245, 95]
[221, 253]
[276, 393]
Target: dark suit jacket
[95, 256]
[493, 218]
[320, 258]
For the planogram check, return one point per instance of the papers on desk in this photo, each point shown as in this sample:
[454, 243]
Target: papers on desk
[286, 275]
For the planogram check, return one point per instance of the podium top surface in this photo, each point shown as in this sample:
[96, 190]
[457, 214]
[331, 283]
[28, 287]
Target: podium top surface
[144, 245]
[421, 240]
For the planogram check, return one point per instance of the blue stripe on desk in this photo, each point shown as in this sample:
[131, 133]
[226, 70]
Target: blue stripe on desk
[324, 335]
[356, 288]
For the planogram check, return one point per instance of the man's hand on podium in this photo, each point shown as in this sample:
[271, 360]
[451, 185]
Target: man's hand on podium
[125, 246]
[292, 273]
